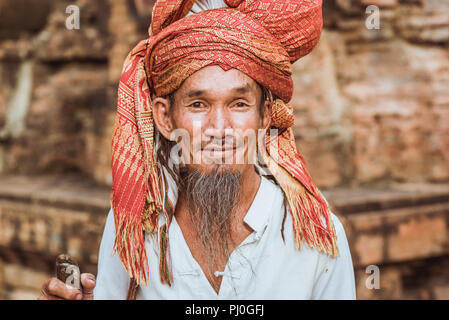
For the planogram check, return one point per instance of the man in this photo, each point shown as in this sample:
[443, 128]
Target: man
[187, 223]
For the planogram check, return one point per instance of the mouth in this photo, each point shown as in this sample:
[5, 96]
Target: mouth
[218, 148]
[220, 152]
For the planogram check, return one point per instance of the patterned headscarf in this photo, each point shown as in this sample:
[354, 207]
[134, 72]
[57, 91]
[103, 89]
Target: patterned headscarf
[260, 38]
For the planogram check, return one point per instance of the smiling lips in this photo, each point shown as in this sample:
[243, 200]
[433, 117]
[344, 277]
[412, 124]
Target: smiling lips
[219, 148]
[215, 151]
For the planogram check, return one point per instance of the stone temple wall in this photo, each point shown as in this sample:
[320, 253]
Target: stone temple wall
[372, 113]
[372, 105]
[67, 82]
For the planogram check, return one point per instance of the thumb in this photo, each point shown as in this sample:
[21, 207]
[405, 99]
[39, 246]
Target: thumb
[88, 284]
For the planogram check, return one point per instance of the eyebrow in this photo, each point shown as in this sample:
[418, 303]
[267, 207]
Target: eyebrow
[197, 93]
[244, 89]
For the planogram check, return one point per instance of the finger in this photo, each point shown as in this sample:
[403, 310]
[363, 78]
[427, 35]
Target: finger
[55, 287]
[44, 296]
[88, 282]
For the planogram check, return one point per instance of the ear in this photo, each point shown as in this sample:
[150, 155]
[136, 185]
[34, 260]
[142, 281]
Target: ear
[161, 115]
[266, 121]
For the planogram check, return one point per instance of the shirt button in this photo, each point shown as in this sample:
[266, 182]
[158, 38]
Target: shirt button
[218, 273]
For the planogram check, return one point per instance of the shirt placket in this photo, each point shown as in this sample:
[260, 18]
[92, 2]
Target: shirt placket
[234, 275]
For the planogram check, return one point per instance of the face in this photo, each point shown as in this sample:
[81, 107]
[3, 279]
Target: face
[219, 114]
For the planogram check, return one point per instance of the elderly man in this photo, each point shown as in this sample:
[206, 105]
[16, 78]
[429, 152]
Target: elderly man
[211, 219]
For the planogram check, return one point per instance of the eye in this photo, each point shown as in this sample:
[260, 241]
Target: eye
[241, 105]
[197, 105]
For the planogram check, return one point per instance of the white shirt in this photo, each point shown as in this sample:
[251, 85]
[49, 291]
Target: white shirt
[261, 267]
[201, 5]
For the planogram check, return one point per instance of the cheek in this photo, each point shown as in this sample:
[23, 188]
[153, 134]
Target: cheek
[187, 125]
[186, 121]
[248, 120]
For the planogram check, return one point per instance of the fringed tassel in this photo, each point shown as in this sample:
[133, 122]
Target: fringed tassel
[164, 268]
[308, 226]
[306, 208]
[150, 217]
[130, 246]
[132, 289]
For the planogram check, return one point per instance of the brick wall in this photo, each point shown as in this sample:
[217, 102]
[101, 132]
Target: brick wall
[41, 218]
[404, 230]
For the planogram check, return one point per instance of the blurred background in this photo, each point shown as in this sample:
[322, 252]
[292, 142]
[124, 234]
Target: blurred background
[372, 121]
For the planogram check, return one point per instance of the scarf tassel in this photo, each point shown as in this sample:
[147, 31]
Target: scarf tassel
[307, 206]
[307, 213]
[130, 246]
[164, 268]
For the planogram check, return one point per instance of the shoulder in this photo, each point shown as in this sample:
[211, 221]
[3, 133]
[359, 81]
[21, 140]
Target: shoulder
[338, 225]
[342, 241]
[273, 191]
[109, 227]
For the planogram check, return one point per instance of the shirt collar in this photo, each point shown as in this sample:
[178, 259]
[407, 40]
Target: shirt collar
[258, 214]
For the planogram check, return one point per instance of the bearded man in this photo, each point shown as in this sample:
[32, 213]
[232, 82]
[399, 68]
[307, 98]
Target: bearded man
[184, 229]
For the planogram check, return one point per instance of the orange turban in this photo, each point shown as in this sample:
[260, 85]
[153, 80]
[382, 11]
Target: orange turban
[260, 38]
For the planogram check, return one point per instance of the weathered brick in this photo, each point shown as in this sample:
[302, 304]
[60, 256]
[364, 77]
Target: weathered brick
[2, 275]
[23, 294]
[441, 292]
[380, 3]
[24, 277]
[418, 237]
[366, 222]
[369, 249]
[390, 284]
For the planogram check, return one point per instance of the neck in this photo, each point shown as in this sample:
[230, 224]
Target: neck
[250, 184]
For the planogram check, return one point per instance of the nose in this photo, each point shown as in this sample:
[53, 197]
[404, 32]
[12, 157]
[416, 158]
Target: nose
[218, 124]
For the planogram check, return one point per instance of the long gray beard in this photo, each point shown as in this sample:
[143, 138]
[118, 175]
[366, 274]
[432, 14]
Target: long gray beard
[211, 199]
